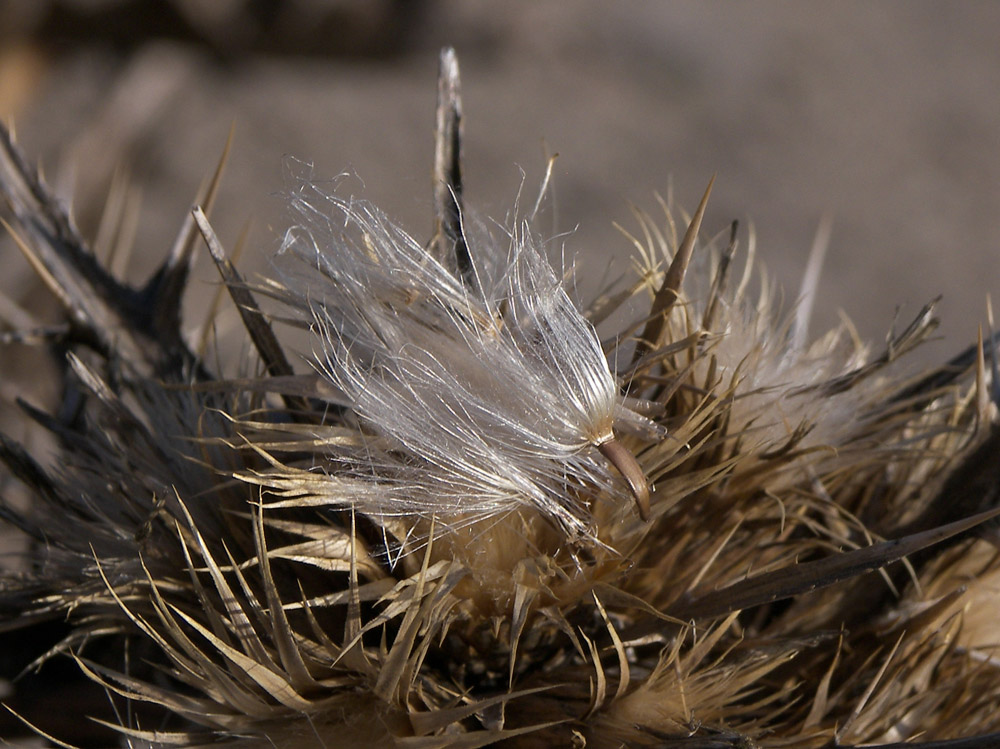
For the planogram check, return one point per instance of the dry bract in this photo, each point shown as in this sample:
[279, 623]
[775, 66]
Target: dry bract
[458, 525]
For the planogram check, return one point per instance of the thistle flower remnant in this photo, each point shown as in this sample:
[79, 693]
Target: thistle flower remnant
[475, 516]
[488, 395]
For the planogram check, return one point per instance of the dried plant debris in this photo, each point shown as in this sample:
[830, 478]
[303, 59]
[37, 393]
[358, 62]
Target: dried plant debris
[470, 519]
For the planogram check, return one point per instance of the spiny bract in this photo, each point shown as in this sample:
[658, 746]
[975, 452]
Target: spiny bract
[461, 526]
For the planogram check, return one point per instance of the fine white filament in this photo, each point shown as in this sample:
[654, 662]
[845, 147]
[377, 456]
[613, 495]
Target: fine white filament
[488, 392]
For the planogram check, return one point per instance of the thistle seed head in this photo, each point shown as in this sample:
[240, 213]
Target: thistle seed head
[466, 521]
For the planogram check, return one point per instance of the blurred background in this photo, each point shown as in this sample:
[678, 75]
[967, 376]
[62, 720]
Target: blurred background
[884, 115]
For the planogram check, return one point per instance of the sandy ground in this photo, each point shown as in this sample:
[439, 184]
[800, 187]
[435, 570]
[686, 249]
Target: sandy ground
[884, 115]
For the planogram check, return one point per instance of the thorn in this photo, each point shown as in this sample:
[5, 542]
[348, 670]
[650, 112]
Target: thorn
[994, 374]
[672, 280]
[810, 282]
[982, 397]
[166, 287]
[721, 281]
[257, 326]
[213, 309]
[449, 239]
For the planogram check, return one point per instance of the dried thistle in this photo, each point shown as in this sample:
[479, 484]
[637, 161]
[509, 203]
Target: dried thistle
[471, 523]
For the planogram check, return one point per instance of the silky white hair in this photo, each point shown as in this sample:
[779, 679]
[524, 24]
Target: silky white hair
[488, 391]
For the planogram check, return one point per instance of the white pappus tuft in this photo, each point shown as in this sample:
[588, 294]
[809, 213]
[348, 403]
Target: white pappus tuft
[489, 391]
